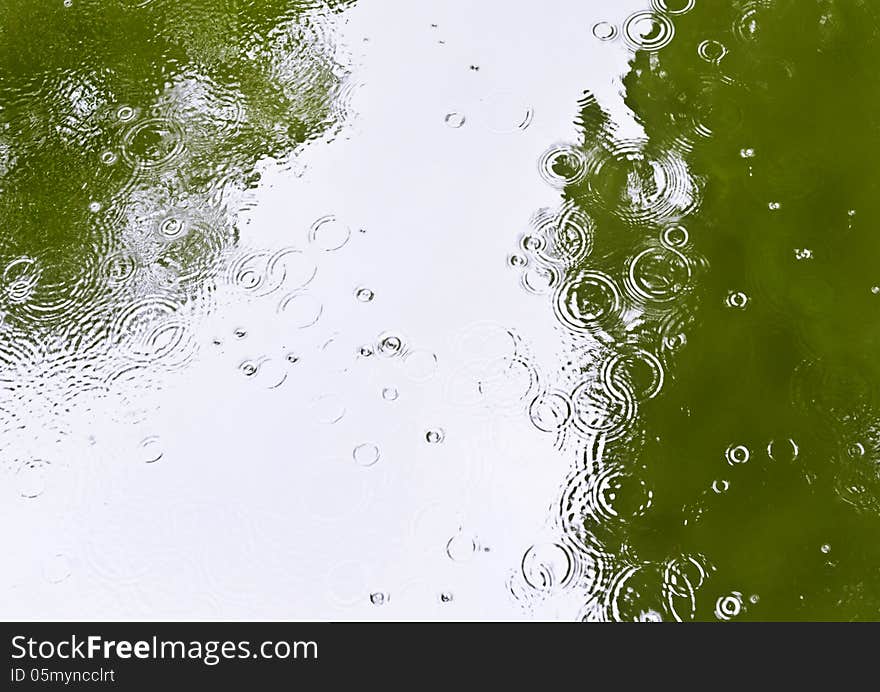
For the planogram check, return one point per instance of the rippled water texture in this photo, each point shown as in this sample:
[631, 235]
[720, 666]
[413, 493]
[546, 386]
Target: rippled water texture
[313, 309]
[721, 331]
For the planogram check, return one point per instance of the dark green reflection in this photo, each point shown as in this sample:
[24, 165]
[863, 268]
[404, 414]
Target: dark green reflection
[129, 130]
[770, 344]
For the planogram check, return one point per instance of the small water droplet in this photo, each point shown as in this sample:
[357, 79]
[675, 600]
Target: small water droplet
[773, 206]
[747, 153]
[825, 548]
[738, 454]
[390, 393]
[737, 299]
[446, 597]
[454, 120]
[604, 31]
[435, 436]
[378, 598]
[390, 345]
[171, 228]
[720, 486]
[364, 295]
[248, 368]
[728, 607]
[95, 207]
[292, 358]
[239, 333]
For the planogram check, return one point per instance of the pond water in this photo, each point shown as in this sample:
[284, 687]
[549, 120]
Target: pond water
[433, 309]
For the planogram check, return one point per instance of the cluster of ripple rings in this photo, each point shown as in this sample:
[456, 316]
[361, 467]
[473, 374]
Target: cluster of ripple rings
[596, 409]
[566, 235]
[149, 330]
[45, 288]
[648, 31]
[637, 183]
[550, 566]
[262, 272]
[550, 411]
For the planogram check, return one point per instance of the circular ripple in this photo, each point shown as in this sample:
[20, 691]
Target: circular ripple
[634, 371]
[657, 275]
[639, 182]
[648, 31]
[673, 6]
[599, 410]
[747, 27]
[148, 330]
[566, 236]
[454, 120]
[153, 143]
[562, 165]
[540, 280]
[548, 566]
[290, 268]
[550, 411]
[300, 310]
[783, 449]
[728, 607]
[20, 277]
[151, 450]
[119, 268]
[366, 454]
[604, 31]
[589, 301]
[390, 345]
[712, 51]
[636, 595]
[737, 454]
[329, 234]
[736, 299]
[435, 436]
[674, 237]
[682, 578]
[31, 478]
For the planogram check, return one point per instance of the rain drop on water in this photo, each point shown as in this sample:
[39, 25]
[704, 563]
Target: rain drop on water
[435, 436]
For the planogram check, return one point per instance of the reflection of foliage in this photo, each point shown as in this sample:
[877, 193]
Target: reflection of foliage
[212, 86]
[779, 132]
